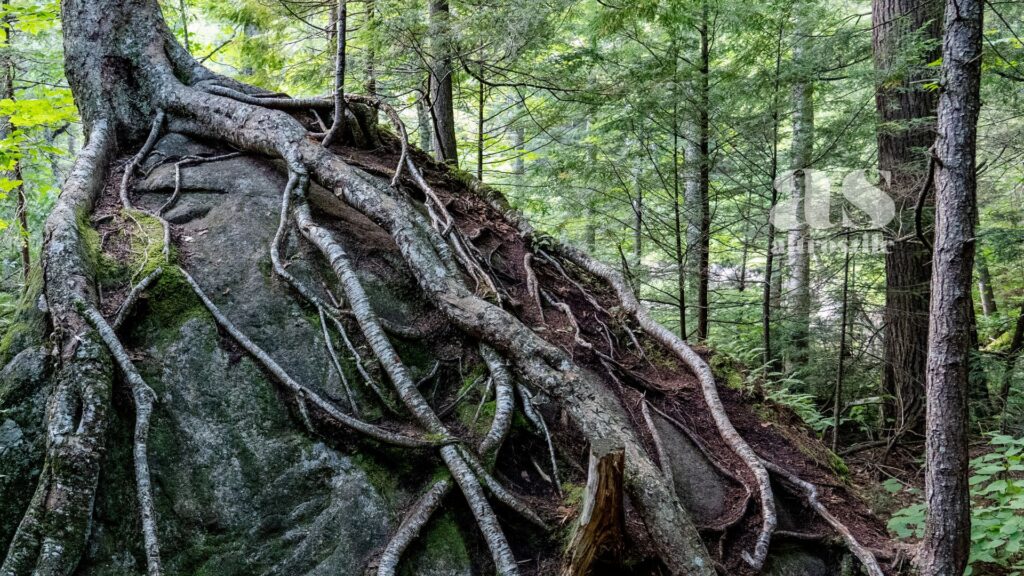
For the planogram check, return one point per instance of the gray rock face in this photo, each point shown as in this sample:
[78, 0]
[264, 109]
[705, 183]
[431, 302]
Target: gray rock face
[795, 562]
[23, 393]
[701, 488]
[242, 486]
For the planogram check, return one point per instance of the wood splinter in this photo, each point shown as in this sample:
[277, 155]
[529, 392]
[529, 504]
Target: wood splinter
[599, 532]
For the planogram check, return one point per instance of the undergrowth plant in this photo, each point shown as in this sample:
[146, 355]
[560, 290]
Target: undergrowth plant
[997, 510]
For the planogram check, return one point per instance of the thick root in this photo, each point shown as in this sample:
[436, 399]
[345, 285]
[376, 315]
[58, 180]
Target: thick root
[51, 536]
[540, 363]
[407, 390]
[708, 386]
[412, 525]
[537, 420]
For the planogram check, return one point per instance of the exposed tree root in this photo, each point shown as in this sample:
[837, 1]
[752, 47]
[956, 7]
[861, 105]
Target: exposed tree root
[659, 446]
[144, 398]
[408, 392]
[504, 404]
[282, 376]
[708, 387]
[133, 296]
[412, 525]
[536, 360]
[537, 420]
[190, 161]
[133, 163]
[866, 557]
[54, 528]
[531, 285]
[336, 363]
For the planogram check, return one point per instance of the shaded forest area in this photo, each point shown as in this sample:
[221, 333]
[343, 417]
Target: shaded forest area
[566, 286]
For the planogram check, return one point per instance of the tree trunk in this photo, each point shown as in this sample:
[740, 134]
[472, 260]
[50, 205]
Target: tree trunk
[441, 99]
[1016, 345]
[697, 133]
[424, 125]
[7, 77]
[704, 129]
[480, 134]
[798, 269]
[905, 110]
[988, 297]
[637, 205]
[769, 292]
[946, 543]
[371, 50]
[837, 396]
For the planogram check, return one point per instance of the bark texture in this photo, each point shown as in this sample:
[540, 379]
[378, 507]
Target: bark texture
[946, 543]
[905, 36]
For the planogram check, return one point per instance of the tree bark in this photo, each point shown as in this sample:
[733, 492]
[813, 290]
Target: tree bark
[988, 297]
[441, 98]
[905, 111]
[7, 77]
[704, 128]
[946, 543]
[798, 269]
[697, 133]
[768, 291]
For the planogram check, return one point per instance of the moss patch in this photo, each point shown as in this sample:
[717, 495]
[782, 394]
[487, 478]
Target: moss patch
[28, 324]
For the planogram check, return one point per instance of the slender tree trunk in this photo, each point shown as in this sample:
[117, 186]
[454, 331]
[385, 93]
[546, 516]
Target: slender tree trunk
[768, 298]
[371, 49]
[441, 99]
[183, 8]
[905, 110]
[423, 124]
[638, 224]
[692, 207]
[798, 275]
[337, 130]
[590, 229]
[7, 77]
[697, 181]
[704, 128]
[678, 220]
[1016, 345]
[946, 543]
[988, 297]
[837, 398]
[481, 95]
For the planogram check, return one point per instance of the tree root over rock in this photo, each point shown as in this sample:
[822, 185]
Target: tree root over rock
[182, 96]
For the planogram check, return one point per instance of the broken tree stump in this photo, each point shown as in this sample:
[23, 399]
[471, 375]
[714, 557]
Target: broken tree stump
[600, 528]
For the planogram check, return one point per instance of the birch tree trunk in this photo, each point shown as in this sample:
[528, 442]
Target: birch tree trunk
[798, 275]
